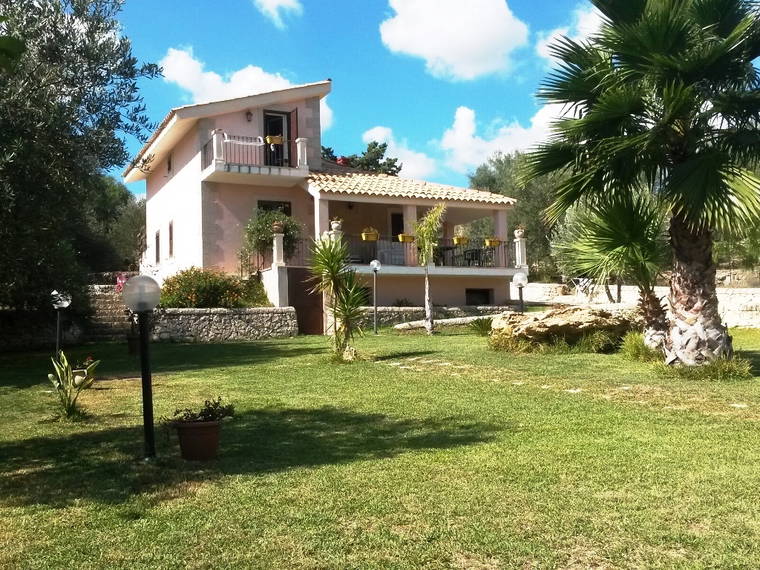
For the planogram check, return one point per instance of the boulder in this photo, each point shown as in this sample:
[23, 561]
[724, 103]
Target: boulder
[571, 323]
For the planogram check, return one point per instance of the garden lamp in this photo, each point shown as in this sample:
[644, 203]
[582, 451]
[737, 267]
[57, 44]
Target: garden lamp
[60, 301]
[521, 280]
[141, 295]
[375, 265]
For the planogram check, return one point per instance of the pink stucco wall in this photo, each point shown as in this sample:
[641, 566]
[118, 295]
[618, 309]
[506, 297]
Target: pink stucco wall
[227, 209]
[444, 290]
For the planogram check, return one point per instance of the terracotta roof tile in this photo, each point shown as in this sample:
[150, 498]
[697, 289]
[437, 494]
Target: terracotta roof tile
[372, 184]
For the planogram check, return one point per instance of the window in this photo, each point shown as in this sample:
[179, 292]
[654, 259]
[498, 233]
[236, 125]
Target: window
[478, 297]
[158, 247]
[171, 239]
[273, 206]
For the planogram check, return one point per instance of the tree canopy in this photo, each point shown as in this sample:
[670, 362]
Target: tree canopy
[373, 159]
[66, 105]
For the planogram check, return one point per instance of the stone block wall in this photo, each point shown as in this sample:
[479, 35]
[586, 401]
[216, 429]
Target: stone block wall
[223, 325]
[388, 316]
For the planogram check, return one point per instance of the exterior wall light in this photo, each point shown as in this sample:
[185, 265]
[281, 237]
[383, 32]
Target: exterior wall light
[520, 280]
[59, 301]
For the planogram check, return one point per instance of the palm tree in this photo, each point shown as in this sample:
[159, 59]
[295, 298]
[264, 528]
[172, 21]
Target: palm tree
[337, 281]
[427, 230]
[623, 239]
[665, 97]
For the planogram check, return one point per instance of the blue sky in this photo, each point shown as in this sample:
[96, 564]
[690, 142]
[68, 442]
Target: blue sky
[445, 82]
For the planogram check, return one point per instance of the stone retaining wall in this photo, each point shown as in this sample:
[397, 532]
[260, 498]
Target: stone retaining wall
[222, 325]
[388, 316]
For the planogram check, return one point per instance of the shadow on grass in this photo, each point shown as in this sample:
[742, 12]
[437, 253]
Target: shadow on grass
[405, 354]
[27, 369]
[754, 358]
[103, 466]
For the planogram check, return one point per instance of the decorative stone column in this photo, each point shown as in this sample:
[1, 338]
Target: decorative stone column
[278, 250]
[521, 252]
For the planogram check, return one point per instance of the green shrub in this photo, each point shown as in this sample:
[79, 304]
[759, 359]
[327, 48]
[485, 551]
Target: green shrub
[206, 288]
[633, 348]
[69, 382]
[258, 236]
[481, 327]
[720, 370]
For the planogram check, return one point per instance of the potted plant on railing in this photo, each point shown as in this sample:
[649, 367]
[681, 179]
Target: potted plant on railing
[405, 238]
[198, 431]
[492, 242]
[460, 238]
[370, 234]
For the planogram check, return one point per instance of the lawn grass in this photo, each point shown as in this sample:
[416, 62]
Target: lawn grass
[433, 452]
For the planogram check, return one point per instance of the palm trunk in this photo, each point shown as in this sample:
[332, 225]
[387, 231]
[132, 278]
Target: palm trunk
[697, 334]
[655, 319]
[428, 304]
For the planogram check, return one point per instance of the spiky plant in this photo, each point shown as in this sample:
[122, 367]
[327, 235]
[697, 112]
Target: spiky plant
[427, 230]
[334, 278]
[666, 96]
[624, 239]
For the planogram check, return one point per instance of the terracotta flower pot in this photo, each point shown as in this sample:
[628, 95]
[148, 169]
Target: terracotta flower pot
[278, 227]
[198, 441]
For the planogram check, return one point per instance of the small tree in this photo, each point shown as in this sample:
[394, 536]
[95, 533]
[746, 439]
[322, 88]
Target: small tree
[427, 230]
[334, 278]
[258, 236]
[624, 239]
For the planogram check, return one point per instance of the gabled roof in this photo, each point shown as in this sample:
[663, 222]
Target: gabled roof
[383, 185]
[180, 119]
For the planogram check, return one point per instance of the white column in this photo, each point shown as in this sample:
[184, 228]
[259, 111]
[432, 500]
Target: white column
[278, 250]
[303, 160]
[321, 216]
[218, 145]
[521, 253]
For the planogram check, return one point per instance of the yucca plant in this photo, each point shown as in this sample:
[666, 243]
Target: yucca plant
[336, 280]
[624, 238]
[664, 96]
[68, 383]
[427, 230]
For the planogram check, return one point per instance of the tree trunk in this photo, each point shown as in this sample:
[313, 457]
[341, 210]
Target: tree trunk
[696, 334]
[655, 319]
[428, 305]
[610, 298]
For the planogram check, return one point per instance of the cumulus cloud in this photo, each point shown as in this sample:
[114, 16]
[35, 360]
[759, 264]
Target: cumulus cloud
[458, 40]
[586, 21]
[466, 149]
[415, 164]
[274, 10]
[185, 70]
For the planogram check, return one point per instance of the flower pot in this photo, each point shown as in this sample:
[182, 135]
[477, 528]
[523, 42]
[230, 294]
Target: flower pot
[336, 225]
[519, 233]
[492, 242]
[461, 240]
[278, 227]
[198, 441]
[370, 236]
[405, 238]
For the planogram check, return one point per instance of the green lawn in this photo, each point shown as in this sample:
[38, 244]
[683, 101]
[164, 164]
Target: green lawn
[434, 452]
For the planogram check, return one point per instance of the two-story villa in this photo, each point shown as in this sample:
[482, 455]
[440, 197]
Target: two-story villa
[209, 166]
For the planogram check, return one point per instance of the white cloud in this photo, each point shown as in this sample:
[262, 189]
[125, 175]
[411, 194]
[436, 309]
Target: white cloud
[415, 164]
[184, 69]
[274, 9]
[466, 149]
[457, 40]
[586, 21]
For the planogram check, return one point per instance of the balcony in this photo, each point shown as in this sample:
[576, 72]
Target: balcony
[274, 161]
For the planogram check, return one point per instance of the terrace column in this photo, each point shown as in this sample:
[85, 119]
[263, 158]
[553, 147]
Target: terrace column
[500, 224]
[321, 216]
[410, 219]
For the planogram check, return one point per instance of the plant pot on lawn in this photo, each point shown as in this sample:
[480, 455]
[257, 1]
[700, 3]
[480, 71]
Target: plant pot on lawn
[199, 432]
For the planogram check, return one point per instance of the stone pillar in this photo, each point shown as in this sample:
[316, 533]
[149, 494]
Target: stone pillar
[303, 160]
[521, 253]
[278, 250]
[321, 216]
[218, 144]
[410, 251]
[500, 224]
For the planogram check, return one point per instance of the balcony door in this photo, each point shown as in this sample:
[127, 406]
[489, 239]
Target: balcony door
[280, 132]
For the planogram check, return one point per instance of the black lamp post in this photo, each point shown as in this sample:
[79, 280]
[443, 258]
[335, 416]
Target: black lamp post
[141, 295]
[375, 265]
[521, 280]
[60, 301]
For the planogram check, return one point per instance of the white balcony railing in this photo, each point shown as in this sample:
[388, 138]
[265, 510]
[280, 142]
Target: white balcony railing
[225, 149]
